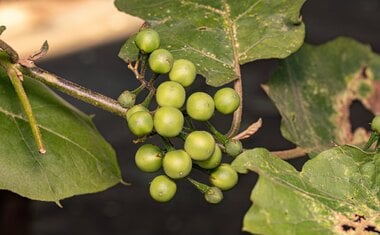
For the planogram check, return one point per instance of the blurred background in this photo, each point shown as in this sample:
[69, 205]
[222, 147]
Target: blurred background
[85, 37]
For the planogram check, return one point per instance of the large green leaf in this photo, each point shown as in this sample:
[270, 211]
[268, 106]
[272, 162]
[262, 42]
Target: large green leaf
[78, 160]
[337, 192]
[314, 88]
[218, 35]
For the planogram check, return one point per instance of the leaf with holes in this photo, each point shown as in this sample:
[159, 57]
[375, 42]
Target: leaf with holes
[218, 35]
[337, 192]
[78, 160]
[313, 90]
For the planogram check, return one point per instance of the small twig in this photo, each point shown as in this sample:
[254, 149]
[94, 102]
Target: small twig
[290, 153]
[73, 89]
[252, 129]
[15, 77]
[235, 125]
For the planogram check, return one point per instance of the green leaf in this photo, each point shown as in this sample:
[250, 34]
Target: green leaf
[338, 189]
[314, 88]
[218, 35]
[78, 160]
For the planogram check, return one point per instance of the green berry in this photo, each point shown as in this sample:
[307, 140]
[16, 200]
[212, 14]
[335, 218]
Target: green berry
[148, 158]
[213, 195]
[168, 121]
[226, 100]
[233, 147]
[171, 94]
[200, 145]
[224, 177]
[161, 61]
[140, 123]
[375, 124]
[147, 40]
[183, 72]
[177, 164]
[135, 109]
[200, 106]
[162, 188]
[127, 99]
[213, 161]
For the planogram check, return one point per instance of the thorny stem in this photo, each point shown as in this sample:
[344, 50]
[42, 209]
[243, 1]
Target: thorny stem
[74, 90]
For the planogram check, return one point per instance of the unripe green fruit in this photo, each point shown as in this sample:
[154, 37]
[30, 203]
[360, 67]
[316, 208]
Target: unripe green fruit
[140, 123]
[171, 94]
[375, 124]
[200, 145]
[147, 40]
[200, 106]
[177, 164]
[226, 100]
[127, 99]
[213, 161]
[161, 61]
[233, 147]
[213, 195]
[168, 121]
[148, 158]
[162, 188]
[224, 177]
[183, 72]
[135, 109]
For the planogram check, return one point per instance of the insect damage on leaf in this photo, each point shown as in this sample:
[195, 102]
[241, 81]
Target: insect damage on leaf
[356, 224]
[359, 87]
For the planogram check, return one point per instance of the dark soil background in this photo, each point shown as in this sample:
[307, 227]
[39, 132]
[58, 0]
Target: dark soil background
[128, 210]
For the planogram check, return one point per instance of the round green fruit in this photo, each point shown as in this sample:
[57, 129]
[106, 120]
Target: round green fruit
[171, 94]
[226, 100]
[213, 161]
[135, 109]
[140, 123]
[162, 189]
[375, 124]
[233, 147]
[168, 121]
[177, 164]
[200, 145]
[161, 61]
[224, 177]
[213, 195]
[183, 72]
[127, 99]
[147, 40]
[148, 158]
[200, 106]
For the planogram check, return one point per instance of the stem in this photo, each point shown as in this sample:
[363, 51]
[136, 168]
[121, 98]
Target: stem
[14, 76]
[203, 188]
[168, 145]
[138, 89]
[74, 90]
[10, 51]
[372, 139]
[231, 28]
[235, 125]
[219, 136]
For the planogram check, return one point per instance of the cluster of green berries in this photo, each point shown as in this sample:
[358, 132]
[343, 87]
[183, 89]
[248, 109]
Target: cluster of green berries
[173, 118]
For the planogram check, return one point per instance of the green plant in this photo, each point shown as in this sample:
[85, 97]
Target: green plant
[200, 106]
[162, 189]
[336, 192]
